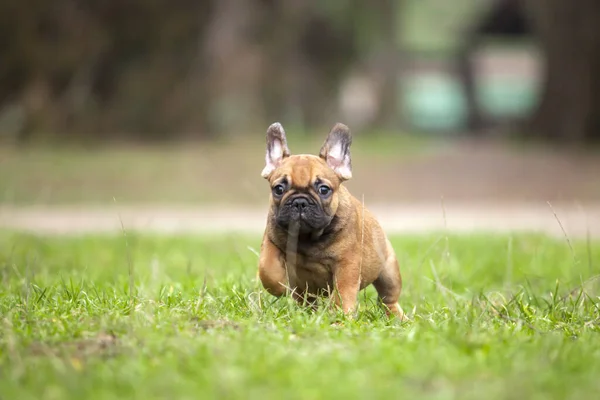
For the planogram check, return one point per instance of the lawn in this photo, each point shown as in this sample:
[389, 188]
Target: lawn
[176, 173]
[143, 316]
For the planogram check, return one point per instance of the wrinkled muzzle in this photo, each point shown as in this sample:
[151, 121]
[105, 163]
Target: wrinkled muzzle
[302, 212]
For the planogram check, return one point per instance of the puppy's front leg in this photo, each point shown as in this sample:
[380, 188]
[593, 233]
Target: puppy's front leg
[271, 269]
[347, 286]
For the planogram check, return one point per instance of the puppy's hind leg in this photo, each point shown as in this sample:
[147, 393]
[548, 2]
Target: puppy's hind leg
[389, 285]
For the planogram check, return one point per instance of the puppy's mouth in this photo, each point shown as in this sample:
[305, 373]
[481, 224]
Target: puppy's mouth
[302, 213]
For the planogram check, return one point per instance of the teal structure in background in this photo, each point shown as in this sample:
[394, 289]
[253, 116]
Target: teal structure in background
[436, 102]
[430, 34]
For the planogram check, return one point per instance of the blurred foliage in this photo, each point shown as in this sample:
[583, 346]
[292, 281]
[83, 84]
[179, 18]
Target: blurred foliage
[170, 69]
[158, 67]
[73, 66]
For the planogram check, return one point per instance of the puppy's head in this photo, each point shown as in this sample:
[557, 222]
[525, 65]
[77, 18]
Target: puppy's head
[304, 188]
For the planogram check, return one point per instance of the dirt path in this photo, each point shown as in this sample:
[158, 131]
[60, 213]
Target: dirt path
[577, 221]
[462, 171]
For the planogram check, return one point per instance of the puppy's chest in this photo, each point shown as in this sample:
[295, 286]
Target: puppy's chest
[312, 270]
[312, 263]
[309, 263]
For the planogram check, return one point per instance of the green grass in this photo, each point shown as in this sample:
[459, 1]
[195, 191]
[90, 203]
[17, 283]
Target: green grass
[140, 316]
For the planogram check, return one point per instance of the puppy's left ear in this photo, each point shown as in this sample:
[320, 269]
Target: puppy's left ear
[277, 149]
[336, 151]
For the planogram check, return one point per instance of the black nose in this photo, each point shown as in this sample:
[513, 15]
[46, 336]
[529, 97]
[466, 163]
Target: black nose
[300, 203]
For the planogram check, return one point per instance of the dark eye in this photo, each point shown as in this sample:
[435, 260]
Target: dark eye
[278, 190]
[324, 190]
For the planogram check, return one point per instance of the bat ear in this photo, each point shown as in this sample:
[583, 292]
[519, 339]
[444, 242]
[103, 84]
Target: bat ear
[277, 148]
[336, 151]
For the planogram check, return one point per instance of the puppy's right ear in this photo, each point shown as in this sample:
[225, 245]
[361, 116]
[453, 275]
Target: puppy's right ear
[336, 151]
[277, 149]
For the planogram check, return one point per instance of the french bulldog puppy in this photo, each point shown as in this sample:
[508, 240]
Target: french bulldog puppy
[319, 239]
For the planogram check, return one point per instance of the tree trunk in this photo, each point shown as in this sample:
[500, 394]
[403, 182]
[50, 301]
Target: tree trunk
[233, 59]
[504, 18]
[569, 35]
[467, 77]
[388, 12]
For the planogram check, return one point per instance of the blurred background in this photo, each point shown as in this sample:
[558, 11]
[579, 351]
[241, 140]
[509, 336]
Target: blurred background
[167, 101]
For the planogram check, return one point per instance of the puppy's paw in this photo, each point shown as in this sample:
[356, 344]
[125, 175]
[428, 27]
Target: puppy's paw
[394, 310]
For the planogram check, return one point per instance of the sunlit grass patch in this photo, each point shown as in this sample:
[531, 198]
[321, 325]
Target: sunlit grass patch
[153, 316]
